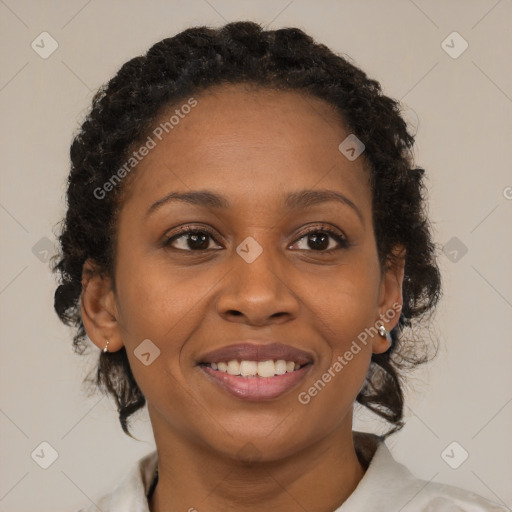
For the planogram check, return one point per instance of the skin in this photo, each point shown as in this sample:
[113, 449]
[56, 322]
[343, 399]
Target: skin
[218, 452]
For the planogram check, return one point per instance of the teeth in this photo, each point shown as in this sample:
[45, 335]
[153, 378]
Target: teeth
[244, 368]
[280, 367]
[266, 368]
[248, 368]
[234, 367]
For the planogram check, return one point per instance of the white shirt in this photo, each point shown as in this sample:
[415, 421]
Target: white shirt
[387, 486]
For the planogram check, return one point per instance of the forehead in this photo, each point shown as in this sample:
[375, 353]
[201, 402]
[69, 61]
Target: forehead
[253, 140]
[259, 114]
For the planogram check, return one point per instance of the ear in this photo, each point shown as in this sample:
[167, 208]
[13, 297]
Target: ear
[98, 307]
[390, 297]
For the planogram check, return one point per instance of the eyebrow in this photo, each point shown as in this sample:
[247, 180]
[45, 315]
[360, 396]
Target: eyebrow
[294, 201]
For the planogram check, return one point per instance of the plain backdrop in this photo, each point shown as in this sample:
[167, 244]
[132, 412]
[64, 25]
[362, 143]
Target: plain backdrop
[459, 105]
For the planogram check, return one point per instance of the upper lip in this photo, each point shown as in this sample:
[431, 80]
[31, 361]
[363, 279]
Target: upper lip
[256, 351]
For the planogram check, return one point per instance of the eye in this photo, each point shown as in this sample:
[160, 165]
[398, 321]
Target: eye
[195, 239]
[317, 239]
[190, 239]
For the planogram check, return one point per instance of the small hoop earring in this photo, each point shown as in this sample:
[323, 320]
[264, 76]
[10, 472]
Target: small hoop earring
[385, 334]
[106, 346]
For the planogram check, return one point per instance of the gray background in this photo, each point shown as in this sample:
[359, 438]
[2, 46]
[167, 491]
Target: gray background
[461, 108]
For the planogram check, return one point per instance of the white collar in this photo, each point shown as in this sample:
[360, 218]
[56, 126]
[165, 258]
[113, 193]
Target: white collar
[386, 486]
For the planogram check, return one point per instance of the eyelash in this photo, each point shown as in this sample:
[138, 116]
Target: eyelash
[191, 230]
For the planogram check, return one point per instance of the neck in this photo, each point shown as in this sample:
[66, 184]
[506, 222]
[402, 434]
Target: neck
[191, 477]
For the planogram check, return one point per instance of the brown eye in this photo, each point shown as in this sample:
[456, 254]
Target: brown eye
[323, 240]
[190, 240]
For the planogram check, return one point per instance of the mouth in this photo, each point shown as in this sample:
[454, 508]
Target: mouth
[256, 372]
[259, 369]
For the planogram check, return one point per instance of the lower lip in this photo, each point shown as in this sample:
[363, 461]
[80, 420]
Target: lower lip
[257, 388]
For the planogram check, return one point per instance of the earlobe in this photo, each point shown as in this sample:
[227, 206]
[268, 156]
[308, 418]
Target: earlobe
[384, 343]
[391, 299]
[98, 308]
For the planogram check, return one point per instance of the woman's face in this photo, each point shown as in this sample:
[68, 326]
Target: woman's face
[271, 166]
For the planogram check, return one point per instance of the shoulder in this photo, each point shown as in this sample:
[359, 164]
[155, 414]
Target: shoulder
[389, 486]
[447, 498]
[130, 493]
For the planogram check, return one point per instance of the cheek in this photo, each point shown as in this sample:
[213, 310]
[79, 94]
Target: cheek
[343, 324]
[346, 300]
[346, 306]
[155, 305]
[158, 305]
[342, 310]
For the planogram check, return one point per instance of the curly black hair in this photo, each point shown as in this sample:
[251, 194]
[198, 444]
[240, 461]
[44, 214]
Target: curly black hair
[122, 114]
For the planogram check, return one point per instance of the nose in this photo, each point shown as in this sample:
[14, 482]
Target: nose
[258, 292]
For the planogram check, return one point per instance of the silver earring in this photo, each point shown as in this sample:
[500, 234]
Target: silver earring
[106, 346]
[385, 333]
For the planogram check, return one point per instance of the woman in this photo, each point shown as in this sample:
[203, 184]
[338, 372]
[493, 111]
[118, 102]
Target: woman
[246, 243]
